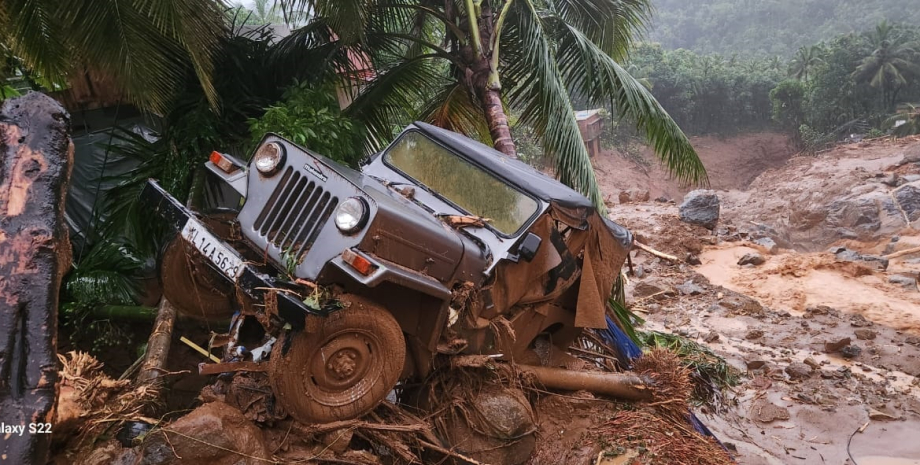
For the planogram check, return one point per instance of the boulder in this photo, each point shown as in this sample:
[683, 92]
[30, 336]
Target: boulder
[768, 244]
[206, 436]
[902, 280]
[700, 207]
[908, 197]
[752, 259]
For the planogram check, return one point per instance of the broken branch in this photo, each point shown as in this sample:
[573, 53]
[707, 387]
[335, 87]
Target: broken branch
[654, 252]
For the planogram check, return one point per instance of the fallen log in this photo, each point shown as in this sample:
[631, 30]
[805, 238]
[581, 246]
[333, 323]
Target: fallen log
[158, 343]
[619, 385]
[903, 253]
[36, 155]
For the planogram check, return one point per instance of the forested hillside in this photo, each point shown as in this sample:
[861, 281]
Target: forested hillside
[769, 27]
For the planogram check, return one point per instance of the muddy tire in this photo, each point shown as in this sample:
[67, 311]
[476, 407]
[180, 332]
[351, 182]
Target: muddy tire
[341, 371]
[192, 286]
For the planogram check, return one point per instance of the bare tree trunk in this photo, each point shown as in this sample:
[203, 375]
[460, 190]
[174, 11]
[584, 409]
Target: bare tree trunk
[158, 344]
[36, 155]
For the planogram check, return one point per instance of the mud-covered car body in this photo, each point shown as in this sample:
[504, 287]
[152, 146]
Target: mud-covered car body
[469, 250]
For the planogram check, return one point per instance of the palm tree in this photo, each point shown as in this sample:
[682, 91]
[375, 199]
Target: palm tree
[146, 46]
[463, 64]
[806, 59]
[893, 60]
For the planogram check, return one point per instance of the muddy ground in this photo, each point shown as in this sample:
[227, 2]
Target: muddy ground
[785, 321]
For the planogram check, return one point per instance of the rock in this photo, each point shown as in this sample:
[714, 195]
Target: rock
[639, 271]
[754, 334]
[847, 255]
[859, 321]
[878, 415]
[693, 260]
[797, 371]
[820, 310]
[865, 334]
[755, 364]
[851, 351]
[770, 412]
[651, 287]
[911, 155]
[215, 423]
[711, 337]
[908, 198]
[662, 199]
[700, 207]
[834, 346]
[902, 280]
[913, 340]
[688, 288]
[812, 363]
[624, 197]
[752, 259]
[768, 244]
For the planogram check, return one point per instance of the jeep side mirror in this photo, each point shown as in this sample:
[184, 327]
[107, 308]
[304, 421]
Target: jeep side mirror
[529, 246]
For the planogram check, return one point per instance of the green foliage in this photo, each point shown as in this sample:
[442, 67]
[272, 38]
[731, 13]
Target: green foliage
[708, 93]
[768, 28]
[106, 275]
[711, 374]
[788, 101]
[147, 47]
[309, 116]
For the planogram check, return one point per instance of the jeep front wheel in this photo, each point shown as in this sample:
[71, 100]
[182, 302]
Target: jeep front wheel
[344, 369]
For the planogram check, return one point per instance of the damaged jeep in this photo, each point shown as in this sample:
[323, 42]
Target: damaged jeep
[342, 283]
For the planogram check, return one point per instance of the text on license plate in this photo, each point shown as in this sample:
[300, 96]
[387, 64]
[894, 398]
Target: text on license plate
[226, 260]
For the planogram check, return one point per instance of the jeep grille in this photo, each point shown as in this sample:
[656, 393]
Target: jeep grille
[295, 214]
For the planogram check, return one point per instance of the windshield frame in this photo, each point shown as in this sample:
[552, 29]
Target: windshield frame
[524, 226]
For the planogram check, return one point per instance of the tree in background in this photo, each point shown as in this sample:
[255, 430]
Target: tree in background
[893, 61]
[806, 58]
[146, 46]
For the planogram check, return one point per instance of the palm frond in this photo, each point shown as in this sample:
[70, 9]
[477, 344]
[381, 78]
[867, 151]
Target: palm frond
[594, 74]
[453, 108]
[147, 46]
[31, 29]
[107, 274]
[614, 25]
[534, 85]
[391, 99]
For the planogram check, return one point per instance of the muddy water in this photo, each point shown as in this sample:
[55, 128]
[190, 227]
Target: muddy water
[793, 282]
[882, 460]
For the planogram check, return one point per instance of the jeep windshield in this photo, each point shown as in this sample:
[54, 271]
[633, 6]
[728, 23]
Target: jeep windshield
[461, 183]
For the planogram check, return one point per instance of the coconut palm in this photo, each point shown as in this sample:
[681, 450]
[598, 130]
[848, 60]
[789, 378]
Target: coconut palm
[146, 46]
[463, 64]
[805, 60]
[893, 61]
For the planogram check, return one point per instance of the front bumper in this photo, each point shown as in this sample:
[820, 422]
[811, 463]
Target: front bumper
[248, 279]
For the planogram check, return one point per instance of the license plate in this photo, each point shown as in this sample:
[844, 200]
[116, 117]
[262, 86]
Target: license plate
[225, 259]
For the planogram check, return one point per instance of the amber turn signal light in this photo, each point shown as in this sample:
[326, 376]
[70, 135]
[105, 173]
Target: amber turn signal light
[359, 263]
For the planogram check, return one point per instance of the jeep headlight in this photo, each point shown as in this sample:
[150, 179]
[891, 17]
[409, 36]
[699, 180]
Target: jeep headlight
[269, 158]
[351, 215]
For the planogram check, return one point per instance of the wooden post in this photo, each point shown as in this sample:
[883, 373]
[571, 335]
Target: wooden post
[36, 155]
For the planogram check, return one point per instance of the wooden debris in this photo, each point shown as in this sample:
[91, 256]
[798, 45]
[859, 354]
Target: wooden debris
[35, 162]
[654, 252]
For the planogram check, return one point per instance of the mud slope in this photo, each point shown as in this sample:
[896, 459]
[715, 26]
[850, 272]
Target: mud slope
[732, 163]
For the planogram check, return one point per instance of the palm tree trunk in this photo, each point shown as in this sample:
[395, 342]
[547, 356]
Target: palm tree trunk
[497, 120]
[485, 82]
